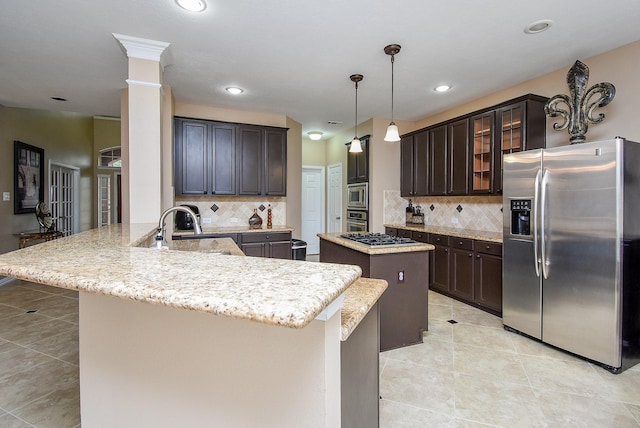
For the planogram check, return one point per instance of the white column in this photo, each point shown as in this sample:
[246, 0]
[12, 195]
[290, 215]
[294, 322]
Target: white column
[142, 149]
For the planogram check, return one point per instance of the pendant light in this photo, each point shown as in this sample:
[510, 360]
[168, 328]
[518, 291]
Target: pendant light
[356, 147]
[392, 130]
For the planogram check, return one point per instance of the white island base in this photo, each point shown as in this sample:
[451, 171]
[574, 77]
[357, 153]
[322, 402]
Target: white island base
[144, 365]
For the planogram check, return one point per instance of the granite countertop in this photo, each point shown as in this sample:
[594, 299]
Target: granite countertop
[213, 230]
[358, 301]
[367, 249]
[109, 261]
[481, 235]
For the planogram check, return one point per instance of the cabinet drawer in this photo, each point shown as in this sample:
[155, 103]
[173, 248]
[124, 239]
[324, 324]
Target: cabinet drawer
[439, 239]
[487, 247]
[391, 231]
[463, 243]
[265, 237]
[420, 236]
[404, 233]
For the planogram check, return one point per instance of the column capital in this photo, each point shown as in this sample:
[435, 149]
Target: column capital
[136, 47]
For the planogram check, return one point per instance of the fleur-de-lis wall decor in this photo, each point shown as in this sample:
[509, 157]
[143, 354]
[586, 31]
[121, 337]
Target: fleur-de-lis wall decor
[580, 104]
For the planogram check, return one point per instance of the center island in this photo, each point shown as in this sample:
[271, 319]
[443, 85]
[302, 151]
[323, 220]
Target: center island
[192, 336]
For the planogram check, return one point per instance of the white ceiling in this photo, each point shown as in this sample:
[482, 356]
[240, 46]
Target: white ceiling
[294, 57]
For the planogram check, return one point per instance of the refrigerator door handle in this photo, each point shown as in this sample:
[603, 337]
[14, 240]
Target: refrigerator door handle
[536, 191]
[543, 223]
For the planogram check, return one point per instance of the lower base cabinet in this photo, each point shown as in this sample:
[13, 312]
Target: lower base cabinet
[276, 245]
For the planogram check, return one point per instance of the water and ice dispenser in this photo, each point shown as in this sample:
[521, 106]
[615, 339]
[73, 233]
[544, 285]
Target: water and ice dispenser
[521, 217]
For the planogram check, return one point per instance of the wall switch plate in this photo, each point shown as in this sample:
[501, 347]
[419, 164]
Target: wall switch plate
[206, 220]
[401, 276]
[6, 196]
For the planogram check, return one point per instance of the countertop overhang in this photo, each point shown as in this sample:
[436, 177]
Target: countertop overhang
[107, 261]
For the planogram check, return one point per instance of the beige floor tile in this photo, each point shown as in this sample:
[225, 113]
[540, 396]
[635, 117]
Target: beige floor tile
[411, 384]
[569, 410]
[30, 328]
[9, 311]
[496, 403]
[42, 287]
[488, 337]
[440, 312]
[574, 377]
[60, 408]
[527, 346]
[490, 364]
[19, 359]
[621, 387]
[398, 415]
[635, 411]
[9, 421]
[56, 306]
[63, 346]
[22, 298]
[440, 330]
[463, 423]
[23, 387]
[470, 315]
[439, 299]
[432, 353]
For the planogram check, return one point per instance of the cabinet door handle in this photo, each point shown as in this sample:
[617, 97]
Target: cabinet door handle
[446, 250]
[470, 254]
[488, 247]
[477, 256]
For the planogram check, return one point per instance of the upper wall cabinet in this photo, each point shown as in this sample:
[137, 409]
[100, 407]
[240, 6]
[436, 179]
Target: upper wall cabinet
[358, 163]
[217, 158]
[465, 153]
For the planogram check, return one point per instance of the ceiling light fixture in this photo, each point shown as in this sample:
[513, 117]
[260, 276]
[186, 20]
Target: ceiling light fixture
[192, 5]
[442, 88]
[315, 135]
[234, 90]
[392, 130]
[538, 26]
[355, 146]
[58, 99]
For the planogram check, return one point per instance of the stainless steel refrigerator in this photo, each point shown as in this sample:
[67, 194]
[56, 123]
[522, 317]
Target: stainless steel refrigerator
[571, 261]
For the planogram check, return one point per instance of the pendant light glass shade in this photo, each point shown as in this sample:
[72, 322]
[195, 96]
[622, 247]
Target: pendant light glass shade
[392, 130]
[355, 146]
[392, 133]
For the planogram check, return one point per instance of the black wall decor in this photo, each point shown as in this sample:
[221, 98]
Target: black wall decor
[28, 177]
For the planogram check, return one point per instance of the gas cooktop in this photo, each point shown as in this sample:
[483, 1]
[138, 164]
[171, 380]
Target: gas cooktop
[378, 239]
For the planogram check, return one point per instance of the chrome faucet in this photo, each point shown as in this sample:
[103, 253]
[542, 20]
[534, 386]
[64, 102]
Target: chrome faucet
[160, 242]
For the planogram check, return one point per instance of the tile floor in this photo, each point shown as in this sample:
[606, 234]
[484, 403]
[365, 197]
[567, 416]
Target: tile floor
[476, 374]
[470, 374]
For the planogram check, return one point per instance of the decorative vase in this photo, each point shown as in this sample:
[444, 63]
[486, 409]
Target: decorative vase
[255, 221]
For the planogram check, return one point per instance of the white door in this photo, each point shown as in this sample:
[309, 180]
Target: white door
[334, 225]
[312, 206]
[63, 198]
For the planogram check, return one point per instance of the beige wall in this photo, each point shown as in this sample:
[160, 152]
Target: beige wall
[106, 134]
[66, 138]
[314, 153]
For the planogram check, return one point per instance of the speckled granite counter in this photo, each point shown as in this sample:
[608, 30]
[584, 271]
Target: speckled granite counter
[107, 261]
[358, 301]
[372, 250]
[482, 235]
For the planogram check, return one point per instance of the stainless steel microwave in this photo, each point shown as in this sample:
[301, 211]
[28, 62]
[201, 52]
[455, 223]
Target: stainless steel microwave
[358, 196]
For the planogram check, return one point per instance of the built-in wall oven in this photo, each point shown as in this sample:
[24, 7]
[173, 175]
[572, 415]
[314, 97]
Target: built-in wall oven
[357, 221]
[358, 196]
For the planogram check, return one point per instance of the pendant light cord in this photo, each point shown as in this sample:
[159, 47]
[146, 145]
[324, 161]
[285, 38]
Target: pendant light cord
[392, 61]
[356, 136]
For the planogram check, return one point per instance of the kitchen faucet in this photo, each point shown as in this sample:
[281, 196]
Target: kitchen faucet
[160, 242]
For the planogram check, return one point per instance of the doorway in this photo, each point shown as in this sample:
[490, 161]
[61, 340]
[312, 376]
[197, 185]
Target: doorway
[313, 220]
[334, 225]
[63, 197]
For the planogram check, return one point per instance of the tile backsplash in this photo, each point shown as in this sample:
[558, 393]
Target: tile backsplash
[464, 212]
[235, 211]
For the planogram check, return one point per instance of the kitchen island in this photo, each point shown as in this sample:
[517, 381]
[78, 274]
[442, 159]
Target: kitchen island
[404, 305]
[195, 338]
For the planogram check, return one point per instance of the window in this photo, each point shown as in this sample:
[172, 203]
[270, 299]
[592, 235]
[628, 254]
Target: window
[110, 158]
[104, 200]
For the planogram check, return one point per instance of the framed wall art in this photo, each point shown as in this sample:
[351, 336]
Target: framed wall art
[28, 177]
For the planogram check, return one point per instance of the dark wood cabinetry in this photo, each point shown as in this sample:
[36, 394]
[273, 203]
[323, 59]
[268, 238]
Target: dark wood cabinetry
[465, 153]
[275, 245]
[461, 272]
[488, 276]
[414, 157]
[440, 273]
[358, 163]
[218, 158]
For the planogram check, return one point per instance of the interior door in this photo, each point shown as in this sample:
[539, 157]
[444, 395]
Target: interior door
[312, 207]
[334, 223]
[63, 198]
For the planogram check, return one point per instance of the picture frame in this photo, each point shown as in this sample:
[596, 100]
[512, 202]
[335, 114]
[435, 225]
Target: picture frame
[28, 177]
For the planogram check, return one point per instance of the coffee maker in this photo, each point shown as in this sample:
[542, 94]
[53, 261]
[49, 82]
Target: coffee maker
[183, 220]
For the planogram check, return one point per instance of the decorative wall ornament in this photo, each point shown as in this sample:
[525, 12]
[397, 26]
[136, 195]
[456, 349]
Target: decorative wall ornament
[581, 103]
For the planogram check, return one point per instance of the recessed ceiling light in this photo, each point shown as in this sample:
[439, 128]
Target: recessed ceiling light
[235, 90]
[538, 26]
[315, 135]
[442, 88]
[58, 99]
[192, 5]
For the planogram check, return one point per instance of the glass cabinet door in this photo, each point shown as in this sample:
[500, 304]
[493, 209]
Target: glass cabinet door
[510, 135]
[482, 153]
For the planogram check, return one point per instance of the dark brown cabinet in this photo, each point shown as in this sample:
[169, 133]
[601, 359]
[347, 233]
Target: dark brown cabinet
[461, 281]
[218, 158]
[440, 272]
[438, 161]
[414, 158]
[275, 245]
[482, 153]
[358, 163]
[458, 148]
[488, 276]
